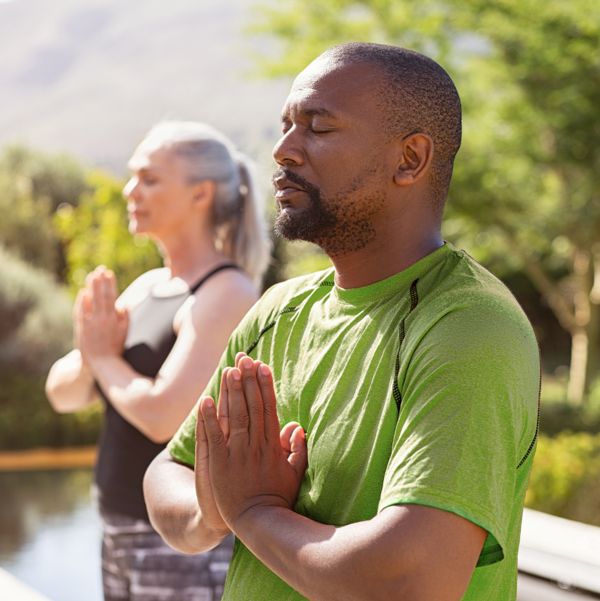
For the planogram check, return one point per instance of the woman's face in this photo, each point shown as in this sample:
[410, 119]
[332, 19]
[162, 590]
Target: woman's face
[159, 194]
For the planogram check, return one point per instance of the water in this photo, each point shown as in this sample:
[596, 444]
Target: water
[50, 533]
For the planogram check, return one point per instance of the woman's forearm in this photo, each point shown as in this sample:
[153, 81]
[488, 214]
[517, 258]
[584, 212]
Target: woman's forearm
[135, 397]
[70, 383]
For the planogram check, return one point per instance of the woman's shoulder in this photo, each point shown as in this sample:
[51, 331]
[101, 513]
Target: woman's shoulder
[139, 288]
[228, 290]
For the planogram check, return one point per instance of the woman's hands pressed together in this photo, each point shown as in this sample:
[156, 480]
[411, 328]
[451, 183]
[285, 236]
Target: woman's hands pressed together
[100, 327]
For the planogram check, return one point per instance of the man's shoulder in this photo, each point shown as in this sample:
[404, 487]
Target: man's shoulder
[464, 282]
[462, 291]
[290, 293]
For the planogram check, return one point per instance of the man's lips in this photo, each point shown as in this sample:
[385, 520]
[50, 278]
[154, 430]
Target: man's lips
[284, 189]
[287, 193]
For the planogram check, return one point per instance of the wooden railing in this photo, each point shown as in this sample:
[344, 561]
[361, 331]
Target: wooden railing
[560, 550]
[12, 589]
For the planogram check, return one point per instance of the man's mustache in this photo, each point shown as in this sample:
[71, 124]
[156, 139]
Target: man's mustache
[284, 173]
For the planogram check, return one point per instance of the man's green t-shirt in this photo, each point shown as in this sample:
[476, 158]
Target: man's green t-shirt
[420, 388]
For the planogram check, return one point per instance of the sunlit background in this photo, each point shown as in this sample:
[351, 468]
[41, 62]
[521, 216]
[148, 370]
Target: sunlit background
[82, 81]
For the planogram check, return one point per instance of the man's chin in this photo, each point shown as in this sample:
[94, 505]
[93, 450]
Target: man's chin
[298, 224]
[292, 228]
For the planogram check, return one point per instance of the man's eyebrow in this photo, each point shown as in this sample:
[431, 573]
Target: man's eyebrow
[310, 112]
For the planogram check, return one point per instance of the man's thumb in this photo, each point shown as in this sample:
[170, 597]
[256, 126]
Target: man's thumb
[298, 457]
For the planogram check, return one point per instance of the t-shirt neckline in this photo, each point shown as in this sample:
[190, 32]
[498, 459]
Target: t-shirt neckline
[392, 284]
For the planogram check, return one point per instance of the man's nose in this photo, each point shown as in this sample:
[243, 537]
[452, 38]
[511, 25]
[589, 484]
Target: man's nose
[288, 149]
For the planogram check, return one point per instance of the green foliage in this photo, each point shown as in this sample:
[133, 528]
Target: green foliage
[565, 479]
[56, 178]
[35, 329]
[525, 191]
[558, 415]
[95, 233]
[32, 186]
[532, 106]
[27, 420]
[35, 316]
[302, 257]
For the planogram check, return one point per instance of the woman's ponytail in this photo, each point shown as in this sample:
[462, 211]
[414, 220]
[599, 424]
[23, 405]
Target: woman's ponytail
[249, 244]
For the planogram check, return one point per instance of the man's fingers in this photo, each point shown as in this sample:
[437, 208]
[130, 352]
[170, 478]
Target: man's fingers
[267, 389]
[238, 412]
[201, 464]
[215, 440]
[223, 407]
[201, 441]
[285, 436]
[298, 457]
[254, 401]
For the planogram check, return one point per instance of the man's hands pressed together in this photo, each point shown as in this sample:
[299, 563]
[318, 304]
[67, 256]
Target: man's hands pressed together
[243, 460]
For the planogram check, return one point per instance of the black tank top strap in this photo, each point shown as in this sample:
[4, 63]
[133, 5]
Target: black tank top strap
[209, 275]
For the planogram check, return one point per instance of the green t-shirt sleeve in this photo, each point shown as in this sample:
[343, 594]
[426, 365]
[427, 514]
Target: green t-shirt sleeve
[468, 414]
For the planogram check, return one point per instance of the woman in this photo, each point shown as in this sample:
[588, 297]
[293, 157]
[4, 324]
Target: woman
[150, 352]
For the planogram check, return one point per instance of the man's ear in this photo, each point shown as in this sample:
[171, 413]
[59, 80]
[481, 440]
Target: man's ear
[416, 153]
[204, 192]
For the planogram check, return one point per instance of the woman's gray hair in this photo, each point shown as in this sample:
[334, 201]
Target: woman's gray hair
[238, 213]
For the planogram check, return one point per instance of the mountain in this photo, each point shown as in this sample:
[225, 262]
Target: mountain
[90, 77]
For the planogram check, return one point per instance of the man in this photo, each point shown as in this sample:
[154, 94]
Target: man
[407, 375]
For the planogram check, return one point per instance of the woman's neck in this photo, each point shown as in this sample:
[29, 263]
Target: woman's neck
[190, 257]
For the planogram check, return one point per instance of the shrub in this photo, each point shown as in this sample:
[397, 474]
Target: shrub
[558, 415]
[95, 233]
[35, 329]
[565, 480]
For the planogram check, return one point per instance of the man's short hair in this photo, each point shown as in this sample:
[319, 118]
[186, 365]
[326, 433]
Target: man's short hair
[417, 95]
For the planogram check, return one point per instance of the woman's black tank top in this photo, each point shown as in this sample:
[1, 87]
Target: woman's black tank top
[124, 452]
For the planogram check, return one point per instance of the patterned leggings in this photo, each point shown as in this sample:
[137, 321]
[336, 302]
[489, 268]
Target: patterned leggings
[138, 566]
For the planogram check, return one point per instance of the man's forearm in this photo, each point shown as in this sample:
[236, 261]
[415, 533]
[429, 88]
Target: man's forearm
[173, 507]
[320, 561]
[407, 552]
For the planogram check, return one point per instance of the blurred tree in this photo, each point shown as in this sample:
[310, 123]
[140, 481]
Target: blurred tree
[32, 186]
[35, 316]
[95, 233]
[526, 185]
[35, 328]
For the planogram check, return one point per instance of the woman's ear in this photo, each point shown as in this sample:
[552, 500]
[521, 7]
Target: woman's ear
[204, 192]
[416, 152]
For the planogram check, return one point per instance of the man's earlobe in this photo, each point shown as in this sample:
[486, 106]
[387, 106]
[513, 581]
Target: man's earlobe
[415, 158]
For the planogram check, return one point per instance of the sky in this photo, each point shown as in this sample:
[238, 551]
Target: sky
[90, 77]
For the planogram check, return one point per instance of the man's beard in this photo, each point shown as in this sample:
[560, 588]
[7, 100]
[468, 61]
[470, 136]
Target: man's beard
[311, 223]
[339, 225]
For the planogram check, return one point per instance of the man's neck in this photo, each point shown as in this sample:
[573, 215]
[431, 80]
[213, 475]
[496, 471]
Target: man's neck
[381, 259]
